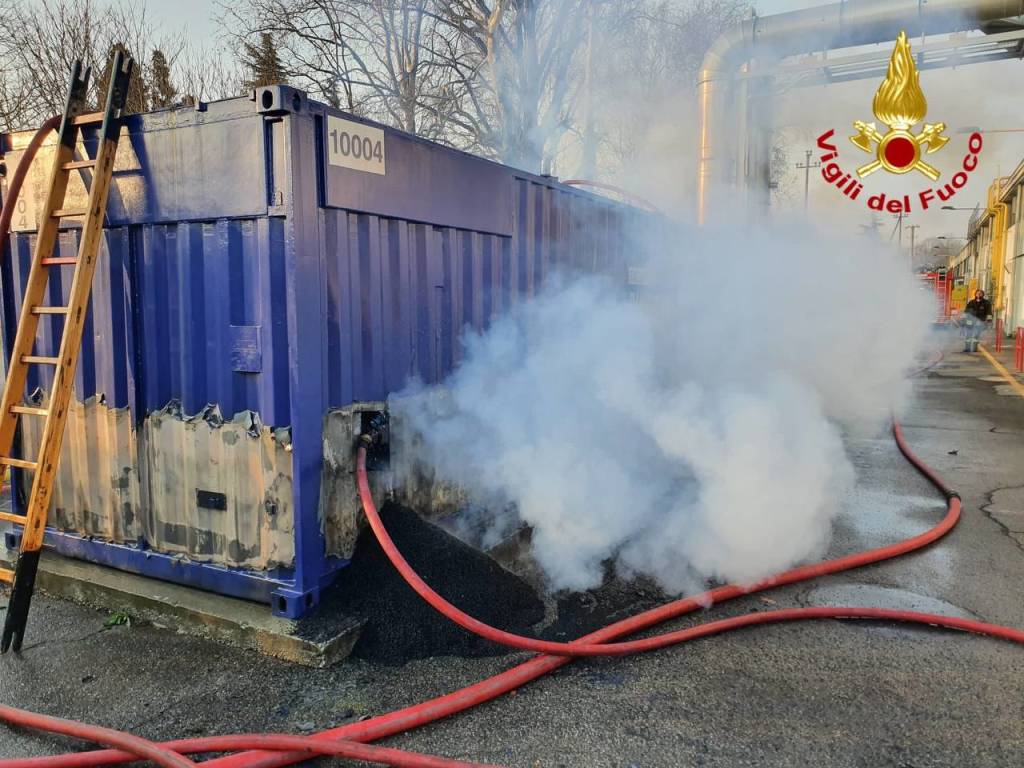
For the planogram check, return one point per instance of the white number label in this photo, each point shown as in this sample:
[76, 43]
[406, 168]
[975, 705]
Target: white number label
[24, 218]
[354, 145]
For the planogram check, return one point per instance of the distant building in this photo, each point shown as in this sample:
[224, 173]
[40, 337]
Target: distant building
[993, 253]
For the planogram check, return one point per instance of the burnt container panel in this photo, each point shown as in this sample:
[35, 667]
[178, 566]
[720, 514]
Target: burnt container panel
[252, 282]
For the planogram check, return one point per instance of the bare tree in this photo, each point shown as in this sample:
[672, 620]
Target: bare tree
[44, 38]
[129, 27]
[315, 42]
[16, 103]
[370, 57]
[41, 44]
[518, 80]
[499, 77]
[513, 68]
[397, 39]
[201, 74]
[530, 82]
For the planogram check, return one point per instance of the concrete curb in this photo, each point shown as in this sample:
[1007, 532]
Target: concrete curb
[227, 620]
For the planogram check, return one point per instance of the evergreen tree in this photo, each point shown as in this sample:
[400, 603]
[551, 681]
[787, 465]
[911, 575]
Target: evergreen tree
[263, 63]
[136, 101]
[162, 92]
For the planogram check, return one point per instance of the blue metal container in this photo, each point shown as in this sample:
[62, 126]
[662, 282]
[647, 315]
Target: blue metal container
[266, 262]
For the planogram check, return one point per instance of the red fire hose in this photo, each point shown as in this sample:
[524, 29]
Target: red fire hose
[18, 179]
[430, 711]
[160, 755]
[170, 754]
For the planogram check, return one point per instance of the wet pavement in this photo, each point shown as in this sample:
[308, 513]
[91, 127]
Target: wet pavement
[821, 694]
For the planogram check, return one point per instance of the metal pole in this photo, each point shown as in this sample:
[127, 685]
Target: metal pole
[807, 176]
[898, 229]
[913, 231]
[806, 166]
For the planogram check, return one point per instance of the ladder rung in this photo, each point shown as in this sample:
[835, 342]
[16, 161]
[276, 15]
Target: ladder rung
[10, 517]
[89, 118]
[19, 463]
[78, 164]
[29, 410]
[48, 457]
[49, 310]
[6, 574]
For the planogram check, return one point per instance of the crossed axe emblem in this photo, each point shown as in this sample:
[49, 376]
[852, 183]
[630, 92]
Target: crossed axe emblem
[869, 139]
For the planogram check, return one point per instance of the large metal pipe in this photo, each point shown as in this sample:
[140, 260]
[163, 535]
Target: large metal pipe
[839, 25]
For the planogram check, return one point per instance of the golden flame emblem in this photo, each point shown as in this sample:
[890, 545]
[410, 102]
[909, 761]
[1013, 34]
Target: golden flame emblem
[900, 104]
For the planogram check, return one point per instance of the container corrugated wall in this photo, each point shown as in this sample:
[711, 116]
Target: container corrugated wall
[103, 366]
[250, 285]
[400, 294]
[210, 298]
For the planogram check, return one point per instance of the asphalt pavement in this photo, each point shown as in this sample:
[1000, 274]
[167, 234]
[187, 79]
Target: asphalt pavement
[810, 694]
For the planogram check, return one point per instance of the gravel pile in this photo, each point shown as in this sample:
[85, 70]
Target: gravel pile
[400, 626]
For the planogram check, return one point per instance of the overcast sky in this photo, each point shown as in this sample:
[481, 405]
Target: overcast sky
[196, 15]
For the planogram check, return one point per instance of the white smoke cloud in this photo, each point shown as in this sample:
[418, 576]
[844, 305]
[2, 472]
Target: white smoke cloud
[694, 432]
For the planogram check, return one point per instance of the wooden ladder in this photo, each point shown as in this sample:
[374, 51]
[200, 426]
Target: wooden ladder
[64, 364]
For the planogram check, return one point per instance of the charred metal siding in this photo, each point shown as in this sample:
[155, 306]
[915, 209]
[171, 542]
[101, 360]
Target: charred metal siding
[250, 299]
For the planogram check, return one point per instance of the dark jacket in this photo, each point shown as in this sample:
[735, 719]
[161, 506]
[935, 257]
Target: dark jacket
[980, 308]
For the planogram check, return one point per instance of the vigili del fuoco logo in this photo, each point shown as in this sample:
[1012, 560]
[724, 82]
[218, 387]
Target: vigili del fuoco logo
[900, 105]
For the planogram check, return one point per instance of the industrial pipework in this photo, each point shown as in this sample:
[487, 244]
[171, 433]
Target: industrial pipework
[839, 25]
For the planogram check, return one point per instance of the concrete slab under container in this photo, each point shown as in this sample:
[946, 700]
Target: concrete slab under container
[227, 620]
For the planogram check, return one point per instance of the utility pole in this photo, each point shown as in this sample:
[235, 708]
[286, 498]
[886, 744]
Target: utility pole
[806, 165]
[898, 228]
[913, 231]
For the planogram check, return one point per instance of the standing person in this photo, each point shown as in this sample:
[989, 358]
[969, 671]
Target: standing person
[977, 314]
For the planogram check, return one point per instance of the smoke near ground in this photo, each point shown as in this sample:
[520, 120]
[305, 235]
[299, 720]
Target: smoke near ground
[693, 433]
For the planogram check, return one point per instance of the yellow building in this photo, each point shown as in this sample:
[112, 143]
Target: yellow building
[994, 251]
